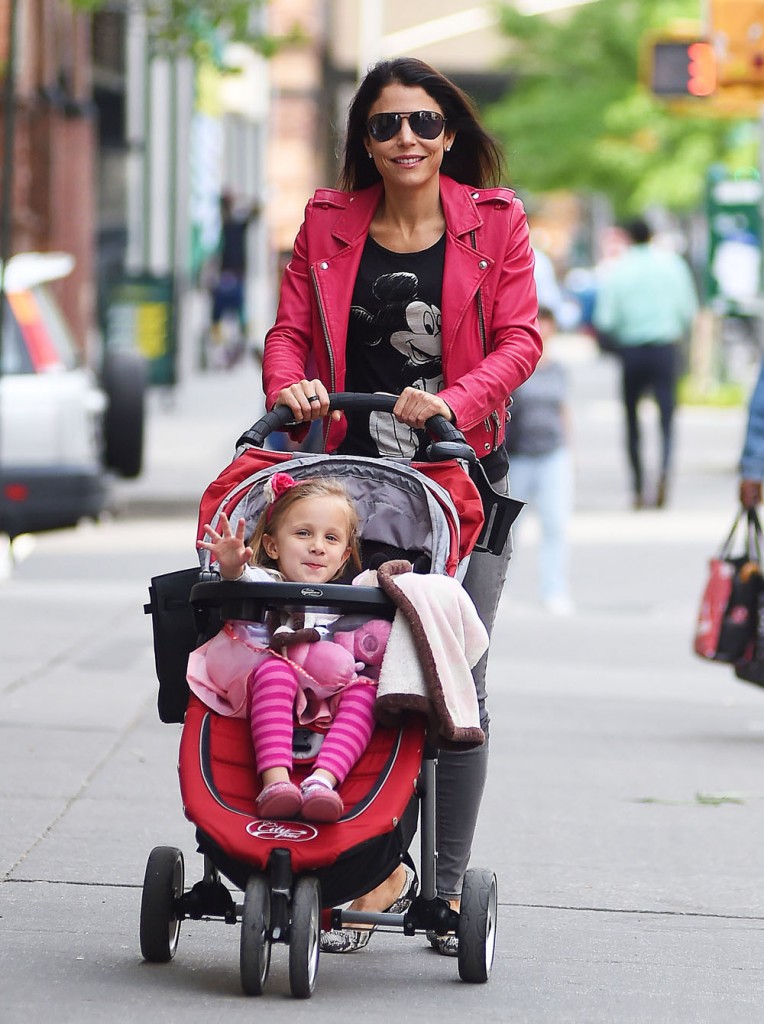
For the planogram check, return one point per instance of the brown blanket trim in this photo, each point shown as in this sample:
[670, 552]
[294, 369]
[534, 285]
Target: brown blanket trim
[442, 729]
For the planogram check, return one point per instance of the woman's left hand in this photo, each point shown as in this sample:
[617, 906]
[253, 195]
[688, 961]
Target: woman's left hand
[415, 407]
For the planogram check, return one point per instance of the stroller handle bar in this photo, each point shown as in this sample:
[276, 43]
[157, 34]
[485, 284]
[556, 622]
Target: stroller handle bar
[450, 443]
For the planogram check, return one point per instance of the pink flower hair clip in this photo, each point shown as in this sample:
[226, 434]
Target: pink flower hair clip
[275, 487]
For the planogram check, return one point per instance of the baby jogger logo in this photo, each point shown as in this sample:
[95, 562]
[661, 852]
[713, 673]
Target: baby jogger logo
[287, 832]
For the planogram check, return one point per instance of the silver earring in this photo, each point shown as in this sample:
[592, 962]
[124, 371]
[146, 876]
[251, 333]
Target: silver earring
[371, 156]
[448, 149]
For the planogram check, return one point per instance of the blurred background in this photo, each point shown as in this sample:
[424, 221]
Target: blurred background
[123, 124]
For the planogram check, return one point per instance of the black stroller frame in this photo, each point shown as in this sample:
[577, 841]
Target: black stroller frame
[188, 607]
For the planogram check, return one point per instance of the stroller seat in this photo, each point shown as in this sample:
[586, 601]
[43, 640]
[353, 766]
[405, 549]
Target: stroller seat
[219, 786]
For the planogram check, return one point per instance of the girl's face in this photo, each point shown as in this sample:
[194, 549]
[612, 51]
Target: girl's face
[312, 541]
[407, 160]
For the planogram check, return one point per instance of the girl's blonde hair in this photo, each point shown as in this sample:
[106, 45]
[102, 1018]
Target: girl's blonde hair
[273, 515]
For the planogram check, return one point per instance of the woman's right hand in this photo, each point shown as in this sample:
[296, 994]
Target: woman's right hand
[308, 400]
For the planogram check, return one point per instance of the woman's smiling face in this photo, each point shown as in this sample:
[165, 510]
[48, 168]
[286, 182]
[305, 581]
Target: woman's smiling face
[407, 160]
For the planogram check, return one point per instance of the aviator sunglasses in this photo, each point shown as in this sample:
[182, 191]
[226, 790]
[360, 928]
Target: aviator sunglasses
[427, 124]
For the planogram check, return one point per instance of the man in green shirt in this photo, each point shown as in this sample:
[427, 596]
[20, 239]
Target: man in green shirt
[646, 305]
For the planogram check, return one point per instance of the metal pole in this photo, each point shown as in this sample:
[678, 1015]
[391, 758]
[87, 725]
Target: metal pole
[6, 232]
[6, 198]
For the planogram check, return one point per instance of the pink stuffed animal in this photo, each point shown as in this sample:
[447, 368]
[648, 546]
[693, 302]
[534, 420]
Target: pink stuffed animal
[367, 644]
[329, 664]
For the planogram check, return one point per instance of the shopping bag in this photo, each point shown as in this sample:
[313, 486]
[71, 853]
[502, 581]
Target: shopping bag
[727, 618]
[750, 668]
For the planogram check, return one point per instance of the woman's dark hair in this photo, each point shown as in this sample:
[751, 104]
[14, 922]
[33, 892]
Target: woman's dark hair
[475, 157]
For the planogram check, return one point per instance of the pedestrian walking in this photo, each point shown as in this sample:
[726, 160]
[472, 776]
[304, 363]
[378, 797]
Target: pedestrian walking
[752, 459]
[541, 465]
[414, 279]
[228, 290]
[645, 305]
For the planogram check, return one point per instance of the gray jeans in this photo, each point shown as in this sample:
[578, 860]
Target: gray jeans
[461, 775]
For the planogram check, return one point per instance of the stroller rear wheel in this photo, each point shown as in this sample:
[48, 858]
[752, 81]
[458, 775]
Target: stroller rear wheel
[477, 925]
[304, 934]
[162, 886]
[255, 942]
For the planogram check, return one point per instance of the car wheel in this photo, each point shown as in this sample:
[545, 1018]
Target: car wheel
[124, 379]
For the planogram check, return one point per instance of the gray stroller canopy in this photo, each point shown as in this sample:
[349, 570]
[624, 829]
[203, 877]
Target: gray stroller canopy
[397, 505]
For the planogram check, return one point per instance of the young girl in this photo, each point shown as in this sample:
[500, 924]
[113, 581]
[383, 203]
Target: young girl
[306, 534]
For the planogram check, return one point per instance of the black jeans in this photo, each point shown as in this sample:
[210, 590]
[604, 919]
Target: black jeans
[649, 369]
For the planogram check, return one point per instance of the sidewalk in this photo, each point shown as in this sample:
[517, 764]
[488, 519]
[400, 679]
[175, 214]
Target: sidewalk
[191, 433]
[624, 809]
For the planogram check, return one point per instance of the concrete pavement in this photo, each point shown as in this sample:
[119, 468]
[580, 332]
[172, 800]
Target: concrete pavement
[624, 812]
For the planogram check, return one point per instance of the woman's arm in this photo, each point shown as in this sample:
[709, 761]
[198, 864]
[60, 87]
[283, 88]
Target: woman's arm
[288, 344]
[513, 339]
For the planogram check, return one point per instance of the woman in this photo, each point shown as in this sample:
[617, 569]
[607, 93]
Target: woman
[416, 280]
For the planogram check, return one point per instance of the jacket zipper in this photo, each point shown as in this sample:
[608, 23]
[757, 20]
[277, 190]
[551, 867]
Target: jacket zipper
[329, 352]
[481, 326]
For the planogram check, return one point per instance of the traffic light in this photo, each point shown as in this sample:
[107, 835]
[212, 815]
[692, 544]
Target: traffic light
[737, 27]
[682, 67]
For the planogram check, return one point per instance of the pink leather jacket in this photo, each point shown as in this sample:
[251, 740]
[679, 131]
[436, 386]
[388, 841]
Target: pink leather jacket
[491, 342]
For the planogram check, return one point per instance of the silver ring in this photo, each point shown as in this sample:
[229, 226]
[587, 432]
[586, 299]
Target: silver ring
[313, 398]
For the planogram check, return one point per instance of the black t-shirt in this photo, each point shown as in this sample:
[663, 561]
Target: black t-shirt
[394, 341]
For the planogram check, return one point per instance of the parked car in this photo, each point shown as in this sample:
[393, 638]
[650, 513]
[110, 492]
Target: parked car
[63, 428]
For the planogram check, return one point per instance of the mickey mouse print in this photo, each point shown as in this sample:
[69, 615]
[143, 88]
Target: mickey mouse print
[394, 341]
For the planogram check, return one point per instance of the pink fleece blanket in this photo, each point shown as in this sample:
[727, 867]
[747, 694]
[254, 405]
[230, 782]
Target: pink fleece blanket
[437, 637]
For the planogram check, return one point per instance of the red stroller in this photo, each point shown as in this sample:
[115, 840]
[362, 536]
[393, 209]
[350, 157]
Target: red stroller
[294, 873]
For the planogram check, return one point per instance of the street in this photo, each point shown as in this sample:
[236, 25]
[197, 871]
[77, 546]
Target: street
[624, 814]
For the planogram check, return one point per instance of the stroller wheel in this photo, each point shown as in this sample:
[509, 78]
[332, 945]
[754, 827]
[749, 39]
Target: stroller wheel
[477, 925]
[162, 886]
[255, 941]
[304, 934]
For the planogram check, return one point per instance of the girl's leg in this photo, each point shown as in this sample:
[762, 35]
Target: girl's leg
[350, 731]
[272, 690]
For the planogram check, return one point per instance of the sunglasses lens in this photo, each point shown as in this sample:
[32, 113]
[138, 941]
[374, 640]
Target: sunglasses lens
[426, 123]
[383, 126]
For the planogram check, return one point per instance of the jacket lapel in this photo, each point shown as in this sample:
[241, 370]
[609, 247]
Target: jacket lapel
[335, 273]
[465, 267]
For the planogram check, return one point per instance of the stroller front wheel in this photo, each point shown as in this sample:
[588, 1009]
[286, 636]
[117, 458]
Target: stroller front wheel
[162, 886]
[477, 925]
[304, 935]
[255, 941]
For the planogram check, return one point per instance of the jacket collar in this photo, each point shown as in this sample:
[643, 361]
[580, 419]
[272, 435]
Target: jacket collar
[459, 207]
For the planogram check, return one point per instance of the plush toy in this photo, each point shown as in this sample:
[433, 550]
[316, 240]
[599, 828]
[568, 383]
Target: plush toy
[366, 643]
[331, 665]
[334, 665]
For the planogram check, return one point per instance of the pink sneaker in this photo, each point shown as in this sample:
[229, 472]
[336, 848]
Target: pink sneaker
[319, 803]
[279, 800]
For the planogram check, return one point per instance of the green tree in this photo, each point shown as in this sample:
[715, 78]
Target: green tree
[197, 28]
[576, 116]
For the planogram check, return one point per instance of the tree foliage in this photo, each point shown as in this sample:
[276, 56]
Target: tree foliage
[199, 28]
[576, 116]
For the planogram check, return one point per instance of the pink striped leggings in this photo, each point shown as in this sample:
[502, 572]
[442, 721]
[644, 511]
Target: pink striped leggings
[272, 690]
